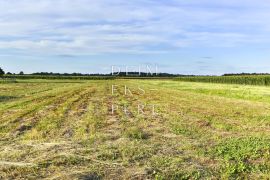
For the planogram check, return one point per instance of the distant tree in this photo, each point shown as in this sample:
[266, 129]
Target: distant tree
[9, 73]
[21, 73]
[2, 72]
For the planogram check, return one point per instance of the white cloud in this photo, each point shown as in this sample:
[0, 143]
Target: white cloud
[139, 26]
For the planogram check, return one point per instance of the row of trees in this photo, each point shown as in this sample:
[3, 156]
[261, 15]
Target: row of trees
[2, 72]
[129, 74]
[122, 74]
[246, 74]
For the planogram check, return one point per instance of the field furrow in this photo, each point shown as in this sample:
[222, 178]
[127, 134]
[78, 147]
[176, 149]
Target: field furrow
[64, 130]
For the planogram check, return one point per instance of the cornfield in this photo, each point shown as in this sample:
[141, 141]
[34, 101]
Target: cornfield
[246, 80]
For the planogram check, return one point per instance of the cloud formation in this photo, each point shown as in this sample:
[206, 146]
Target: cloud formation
[89, 27]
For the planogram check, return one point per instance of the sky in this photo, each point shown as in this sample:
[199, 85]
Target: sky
[179, 36]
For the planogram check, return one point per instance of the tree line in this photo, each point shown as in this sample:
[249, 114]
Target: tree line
[120, 74]
[125, 74]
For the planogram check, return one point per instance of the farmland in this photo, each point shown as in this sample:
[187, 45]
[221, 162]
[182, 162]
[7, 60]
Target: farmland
[67, 129]
[259, 80]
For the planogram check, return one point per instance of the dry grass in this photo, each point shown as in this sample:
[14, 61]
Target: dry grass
[65, 130]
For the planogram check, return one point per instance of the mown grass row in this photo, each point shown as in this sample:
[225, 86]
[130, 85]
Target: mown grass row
[246, 80]
[68, 131]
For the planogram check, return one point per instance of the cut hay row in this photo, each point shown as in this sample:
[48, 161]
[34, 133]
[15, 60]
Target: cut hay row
[66, 131]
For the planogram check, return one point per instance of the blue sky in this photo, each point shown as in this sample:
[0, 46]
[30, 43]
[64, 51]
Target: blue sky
[179, 36]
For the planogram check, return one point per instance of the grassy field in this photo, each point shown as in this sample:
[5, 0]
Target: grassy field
[67, 129]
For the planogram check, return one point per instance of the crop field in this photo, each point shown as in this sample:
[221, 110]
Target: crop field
[259, 80]
[133, 129]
